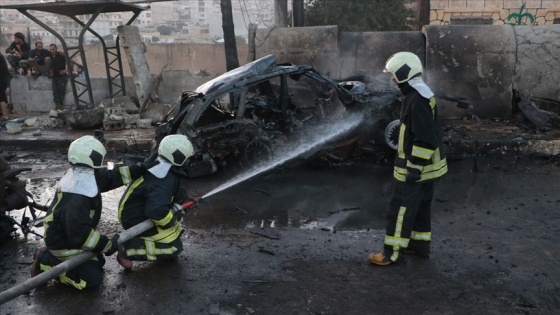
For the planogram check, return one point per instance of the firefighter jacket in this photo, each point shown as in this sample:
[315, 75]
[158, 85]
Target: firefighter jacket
[151, 197]
[72, 217]
[420, 146]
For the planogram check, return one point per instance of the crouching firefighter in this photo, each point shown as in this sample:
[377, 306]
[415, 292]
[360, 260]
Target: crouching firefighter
[157, 195]
[419, 162]
[73, 215]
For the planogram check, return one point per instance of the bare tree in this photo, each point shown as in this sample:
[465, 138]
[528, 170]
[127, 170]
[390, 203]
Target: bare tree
[232, 60]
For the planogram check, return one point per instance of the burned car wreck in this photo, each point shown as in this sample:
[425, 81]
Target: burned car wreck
[250, 113]
[14, 196]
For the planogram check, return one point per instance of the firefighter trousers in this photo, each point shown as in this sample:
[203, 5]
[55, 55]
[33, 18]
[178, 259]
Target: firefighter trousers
[142, 249]
[409, 220]
[85, 277]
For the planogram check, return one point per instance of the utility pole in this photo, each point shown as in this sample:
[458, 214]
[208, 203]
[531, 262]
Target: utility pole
[298, 13]
[281, 13]
[230, 46]
[423, 13]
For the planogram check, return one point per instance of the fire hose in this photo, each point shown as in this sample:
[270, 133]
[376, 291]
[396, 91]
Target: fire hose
[76, 261]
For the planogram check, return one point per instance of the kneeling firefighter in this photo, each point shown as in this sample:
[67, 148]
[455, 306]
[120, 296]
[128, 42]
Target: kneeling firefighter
[73, 215]
[157, 195]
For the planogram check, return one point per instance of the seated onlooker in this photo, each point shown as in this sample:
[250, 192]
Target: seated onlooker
[39, 60]
[4, 79]
[17, 54]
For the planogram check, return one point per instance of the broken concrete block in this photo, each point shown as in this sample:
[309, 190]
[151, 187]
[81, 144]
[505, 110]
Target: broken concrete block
[37, 133]
[129, 103]
[113, 124]
[115, 117]
[144, 123]
[54, 123]
[13, 127]
[84, 119]
[131, 119]
[118, 111]
[156, 112]
[106, 103]
[30, 122]
[53, 113]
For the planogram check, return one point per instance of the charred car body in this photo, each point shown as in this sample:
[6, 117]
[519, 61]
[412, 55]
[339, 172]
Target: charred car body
[248, 113]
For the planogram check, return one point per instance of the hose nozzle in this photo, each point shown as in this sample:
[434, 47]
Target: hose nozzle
[191, 203]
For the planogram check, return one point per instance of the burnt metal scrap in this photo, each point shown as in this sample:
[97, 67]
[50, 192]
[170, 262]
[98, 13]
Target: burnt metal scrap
[14, 196]
[248, 113]
[542, 112]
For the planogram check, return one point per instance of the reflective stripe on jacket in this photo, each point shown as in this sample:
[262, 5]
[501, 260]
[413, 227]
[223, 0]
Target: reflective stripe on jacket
[420, 144]
[150, 197]
[72, 218]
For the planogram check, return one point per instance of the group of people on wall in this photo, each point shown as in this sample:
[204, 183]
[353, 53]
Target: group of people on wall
[35, 62]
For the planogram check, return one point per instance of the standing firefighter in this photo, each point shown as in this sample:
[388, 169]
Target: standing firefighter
[420, 160]
[157, 195]
[72, 217]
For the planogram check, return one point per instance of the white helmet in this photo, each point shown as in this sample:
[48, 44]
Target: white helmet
[176, 149]
[87, 151]
[403, 66]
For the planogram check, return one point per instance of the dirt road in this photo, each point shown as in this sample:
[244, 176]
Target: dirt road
[295, 241]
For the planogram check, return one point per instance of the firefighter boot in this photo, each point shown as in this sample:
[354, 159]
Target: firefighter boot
[421, 254]
[123, 260]
[379, 259]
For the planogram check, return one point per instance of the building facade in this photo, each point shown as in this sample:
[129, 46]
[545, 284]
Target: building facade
[494, 12]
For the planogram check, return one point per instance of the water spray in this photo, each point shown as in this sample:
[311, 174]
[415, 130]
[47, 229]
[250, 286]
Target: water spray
[317, 136]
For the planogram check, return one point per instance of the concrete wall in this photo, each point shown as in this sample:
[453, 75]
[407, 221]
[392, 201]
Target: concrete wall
[485, 64]
[35, 95]
[481, 63]
[367, 52]
[476, 62]
[189, 65]
[208, 58]
[318, 46]
[537, 68]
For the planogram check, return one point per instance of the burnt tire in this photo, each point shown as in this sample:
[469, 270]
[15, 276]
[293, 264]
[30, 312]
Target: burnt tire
[392, 134]
[6, 229]
[256, 152]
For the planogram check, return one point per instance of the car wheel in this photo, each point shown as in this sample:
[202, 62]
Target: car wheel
[392, 134]
[256, 152]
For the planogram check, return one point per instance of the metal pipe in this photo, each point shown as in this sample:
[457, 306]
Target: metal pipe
[76, 261]
[67, 265]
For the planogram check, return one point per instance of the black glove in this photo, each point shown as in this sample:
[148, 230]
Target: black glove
[114, 245]
[177, 211]
[412, 174]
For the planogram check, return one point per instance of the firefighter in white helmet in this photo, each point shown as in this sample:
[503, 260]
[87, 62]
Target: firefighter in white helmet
[72, 217]
[158, 196]
[420, 160]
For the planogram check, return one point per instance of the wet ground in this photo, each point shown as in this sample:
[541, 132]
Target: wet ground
[294, 240]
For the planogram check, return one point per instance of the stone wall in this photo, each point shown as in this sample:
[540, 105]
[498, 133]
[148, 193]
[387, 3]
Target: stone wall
[543, 12]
